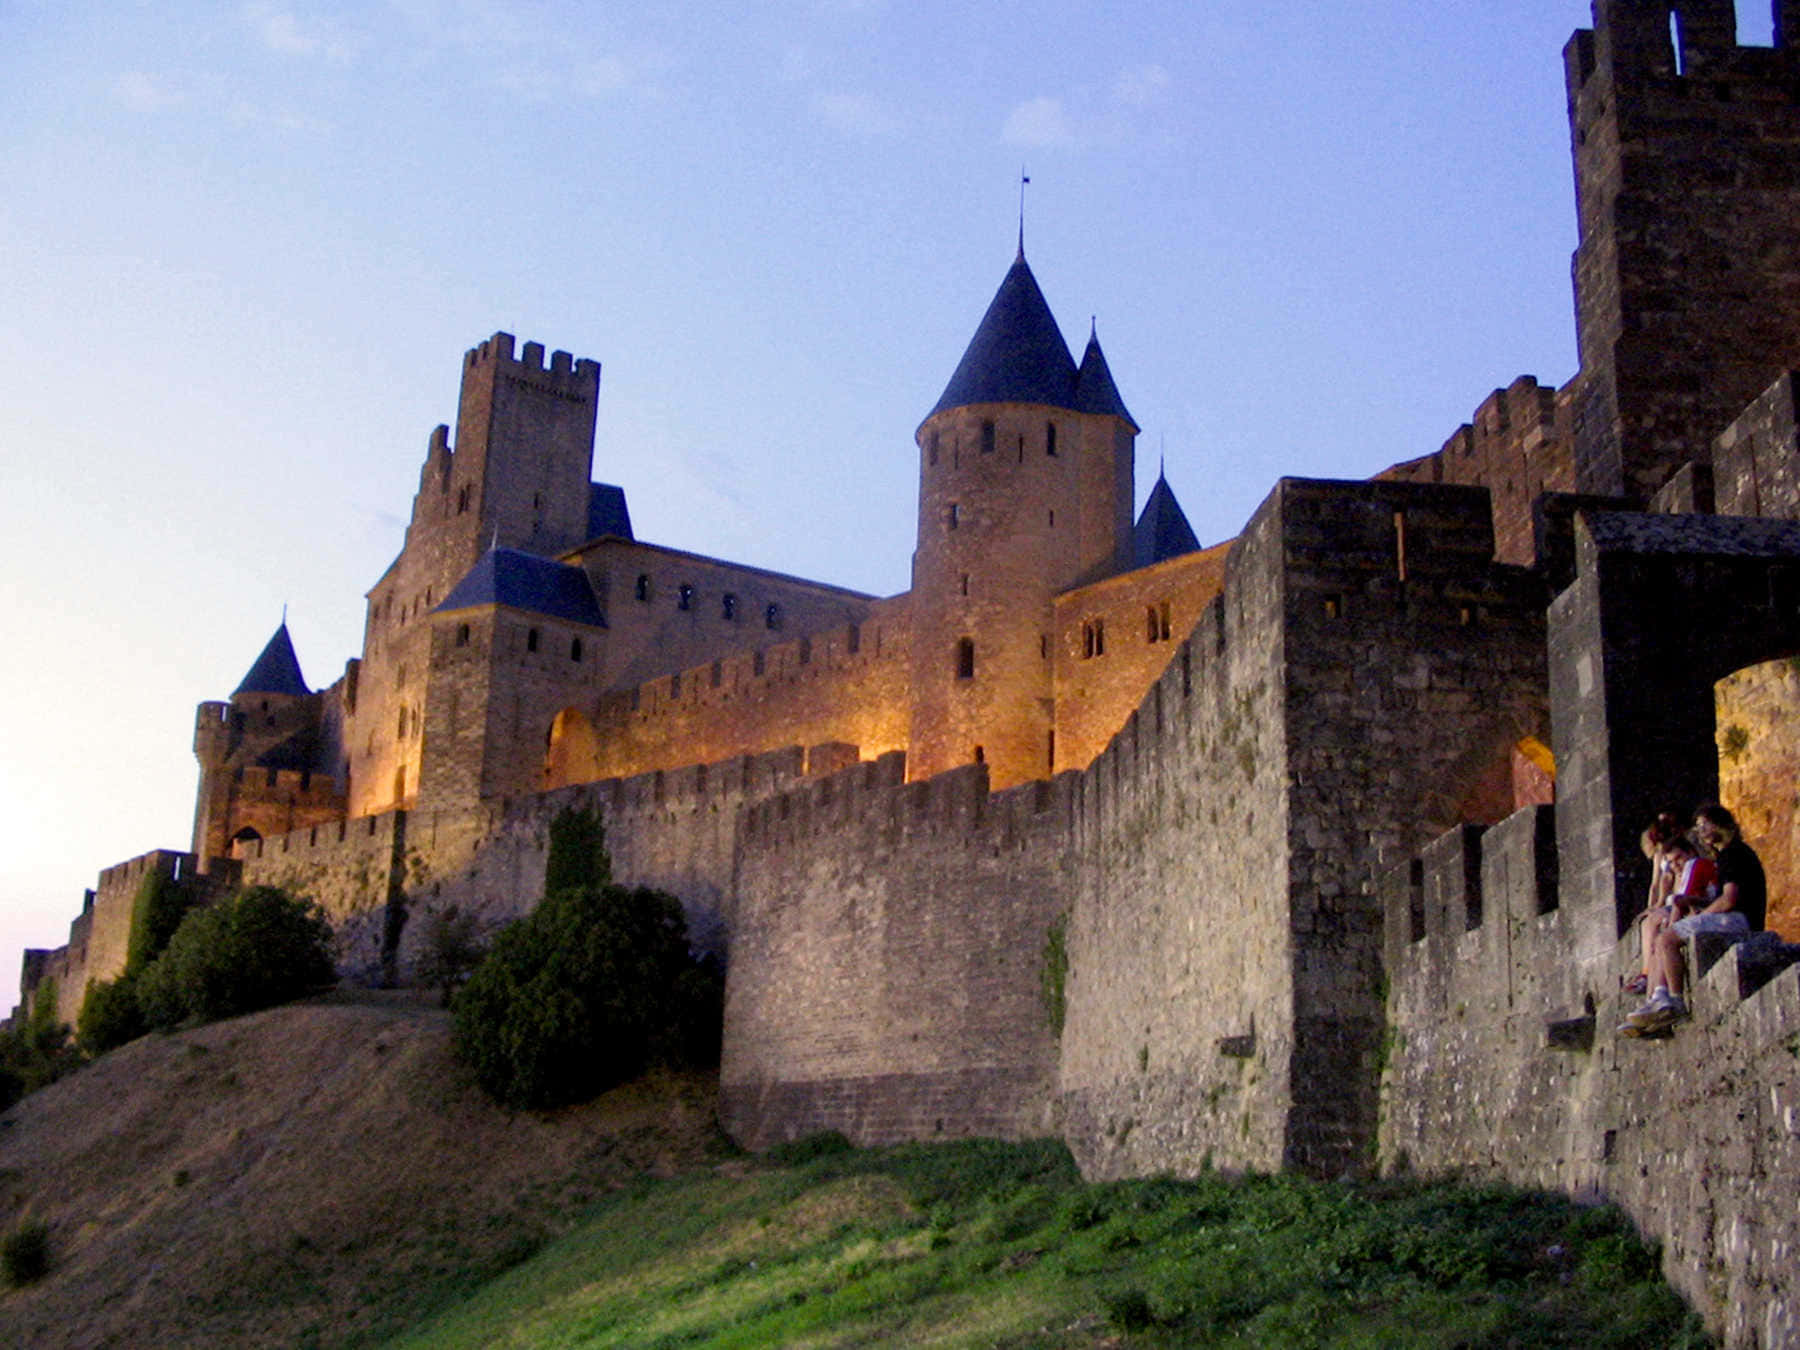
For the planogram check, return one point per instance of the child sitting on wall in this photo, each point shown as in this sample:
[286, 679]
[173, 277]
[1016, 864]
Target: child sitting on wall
[1655, 842]
[1690, 884]
[1739, 909]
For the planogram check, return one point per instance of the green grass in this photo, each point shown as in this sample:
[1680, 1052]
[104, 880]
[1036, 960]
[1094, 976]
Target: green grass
[996, 1245]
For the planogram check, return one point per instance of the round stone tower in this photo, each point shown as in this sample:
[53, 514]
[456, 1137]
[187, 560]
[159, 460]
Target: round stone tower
[1025, 490]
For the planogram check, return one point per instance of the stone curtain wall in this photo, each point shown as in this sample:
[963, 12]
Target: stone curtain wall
[1361, 682]
[886, 965]
[1176, 1047]
[846, 684]
[1096, 693]
[100, 936]
[351, 870]
[1502, 1063]
[1517, 446]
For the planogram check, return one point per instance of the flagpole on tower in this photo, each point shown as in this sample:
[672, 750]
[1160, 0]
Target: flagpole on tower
[1023, 180]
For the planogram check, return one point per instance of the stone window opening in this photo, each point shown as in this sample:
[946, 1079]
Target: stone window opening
[987, 438]
[931, 448]
[400, 726]
[1156, 622]
[1334, 606]
[531, 639]
[643, 587]
[462, 500]
[462, 634]
[1053, 517]
[574, 649]
[1050, 439]
[728, 607]
[1043, 646]
[953, 516]
[1021, 447]
[965, 583]
[1050, 751]
[980, 755]
[684, 598]
[772, 617]
[1093, 638]
[965, 658]
[675, 685]
[805, 651]
[853, 639]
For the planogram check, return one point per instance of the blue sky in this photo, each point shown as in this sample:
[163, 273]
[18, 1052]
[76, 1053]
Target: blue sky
[244, 246]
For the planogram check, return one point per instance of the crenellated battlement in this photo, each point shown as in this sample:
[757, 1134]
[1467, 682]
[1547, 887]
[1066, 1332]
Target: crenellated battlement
[563, 375]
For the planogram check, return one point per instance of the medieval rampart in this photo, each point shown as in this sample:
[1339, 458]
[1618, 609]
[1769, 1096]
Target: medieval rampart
[1361, 681]
[887, 961]
[1502, 1062]
[846, 684]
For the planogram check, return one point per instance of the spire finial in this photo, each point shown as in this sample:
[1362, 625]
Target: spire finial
[284, 614]
[1162, 454]
[1023, 180]
[1093, 328]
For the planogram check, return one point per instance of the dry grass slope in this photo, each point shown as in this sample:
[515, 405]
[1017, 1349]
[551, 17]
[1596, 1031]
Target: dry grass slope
[320, 1174]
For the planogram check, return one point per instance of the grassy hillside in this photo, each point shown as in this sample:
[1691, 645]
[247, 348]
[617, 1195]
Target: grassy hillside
[325, 1175]
[993, 1245]
[321, 1174]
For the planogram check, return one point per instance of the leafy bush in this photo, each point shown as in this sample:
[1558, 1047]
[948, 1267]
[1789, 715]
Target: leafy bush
[110, 1014]
[258, 948]
[577, 856]
[36, 1053]
[25, 1253]
[157, 910]
[585, 992]
[450, 949]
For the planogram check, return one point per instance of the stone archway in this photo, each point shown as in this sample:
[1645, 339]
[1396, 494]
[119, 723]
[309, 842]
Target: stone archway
[571, 753]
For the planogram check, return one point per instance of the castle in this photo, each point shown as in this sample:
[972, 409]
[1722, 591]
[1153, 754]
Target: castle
[1323, 842]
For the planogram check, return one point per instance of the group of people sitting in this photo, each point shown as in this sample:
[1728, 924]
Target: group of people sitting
[1707, 880]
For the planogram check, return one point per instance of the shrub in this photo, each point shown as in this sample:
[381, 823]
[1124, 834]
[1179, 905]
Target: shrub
[156, 913]
[582, 994]
[25, 1253]
[450, 949]
[258, 948]
[577, 857]
[110, 1014]
[37, 1052]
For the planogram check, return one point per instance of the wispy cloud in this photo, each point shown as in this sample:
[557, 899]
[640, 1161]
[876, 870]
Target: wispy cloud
[281, 30]
[143, 92]
[857, 115]
[1141, 86]
[1038, 123]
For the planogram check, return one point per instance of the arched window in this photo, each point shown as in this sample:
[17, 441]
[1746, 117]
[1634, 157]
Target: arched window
[462, 634]
[1050, 439]
[987, 438]
[531, 639]
[643, 586]
[728, 607]
[574, 649]
[965, 659]
[772, 617]
[684, 598]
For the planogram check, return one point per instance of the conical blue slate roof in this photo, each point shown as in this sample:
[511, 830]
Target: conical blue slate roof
[505, 576]
[276, 671]
[1162, 531]
[1095, 391]
[1017, 354]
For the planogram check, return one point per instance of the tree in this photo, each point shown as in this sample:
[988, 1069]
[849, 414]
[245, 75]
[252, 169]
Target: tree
[253, 950]
[450, 947]
[582, 994]
[156, 912]
[110, 1015]
[577, 855]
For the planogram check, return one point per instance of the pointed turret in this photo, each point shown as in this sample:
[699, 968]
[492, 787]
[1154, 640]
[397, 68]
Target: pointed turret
[1095, 391]
[1162, 531]
[1017, 354]
[276, 671]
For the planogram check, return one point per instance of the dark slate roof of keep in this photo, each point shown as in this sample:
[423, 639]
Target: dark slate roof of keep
[1162, 530]
[1017, 354]
[505, 576]
[1095, 391]
[607, 512]
[276, 671]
